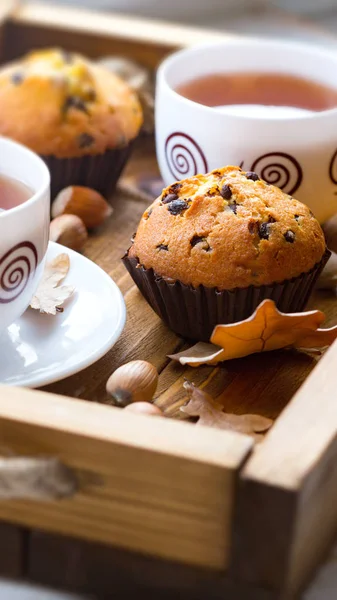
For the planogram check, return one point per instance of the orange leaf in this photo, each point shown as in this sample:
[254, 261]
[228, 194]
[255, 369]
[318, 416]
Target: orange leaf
[211, 414]
[266, 329]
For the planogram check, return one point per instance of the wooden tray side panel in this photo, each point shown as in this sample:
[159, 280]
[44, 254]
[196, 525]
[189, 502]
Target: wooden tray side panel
[141, 489]
[13, 546]
[35, 25]
[102, 571]
[293, 476]
[149, 485]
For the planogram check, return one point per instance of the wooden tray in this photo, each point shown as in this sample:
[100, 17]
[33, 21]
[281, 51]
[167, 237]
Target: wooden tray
[162, 505]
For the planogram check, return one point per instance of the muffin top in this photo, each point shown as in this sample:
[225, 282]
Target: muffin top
[227, 229]
[58, 103]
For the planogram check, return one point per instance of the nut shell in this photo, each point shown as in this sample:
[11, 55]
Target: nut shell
[68, 230]
[135, 381]
[144, 408]
[83, 202]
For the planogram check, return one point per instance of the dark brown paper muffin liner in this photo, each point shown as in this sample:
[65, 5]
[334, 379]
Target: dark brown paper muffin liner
[193, 312]
[100, 172]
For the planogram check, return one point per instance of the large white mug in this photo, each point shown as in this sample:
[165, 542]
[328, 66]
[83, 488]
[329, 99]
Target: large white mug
[24, 231]
[298, 153]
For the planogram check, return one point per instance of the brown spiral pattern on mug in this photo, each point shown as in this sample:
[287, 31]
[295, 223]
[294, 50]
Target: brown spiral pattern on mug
[184, 156]
[333, 168]
[16, 266]
[281, 169]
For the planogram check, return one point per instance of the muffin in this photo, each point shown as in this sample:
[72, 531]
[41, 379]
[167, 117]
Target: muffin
[79, 117]
[212, 247]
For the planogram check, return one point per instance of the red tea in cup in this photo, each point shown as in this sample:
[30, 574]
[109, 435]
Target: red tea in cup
[13, 193]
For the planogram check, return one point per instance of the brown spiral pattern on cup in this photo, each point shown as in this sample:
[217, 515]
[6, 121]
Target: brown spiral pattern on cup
[333, 168]
[280, 169]
[16, 267]
[184, 157]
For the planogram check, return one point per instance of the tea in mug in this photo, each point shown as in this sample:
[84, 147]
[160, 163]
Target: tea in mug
[13, 193]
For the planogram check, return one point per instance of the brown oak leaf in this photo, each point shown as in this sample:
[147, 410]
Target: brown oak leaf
[50, 295]
[211, 414]
[266, 329]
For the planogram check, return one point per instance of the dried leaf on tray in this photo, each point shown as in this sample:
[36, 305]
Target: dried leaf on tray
[140, 79]
[211, 414]
[50, 296]
[266, 329]
[198, 354]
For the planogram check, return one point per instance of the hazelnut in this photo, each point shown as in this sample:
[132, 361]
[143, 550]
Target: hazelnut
[136, 381]
[83, 202]
[68, 230]
[144, 408]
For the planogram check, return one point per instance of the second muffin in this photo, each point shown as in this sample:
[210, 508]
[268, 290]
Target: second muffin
[212, 247]
[78, 116]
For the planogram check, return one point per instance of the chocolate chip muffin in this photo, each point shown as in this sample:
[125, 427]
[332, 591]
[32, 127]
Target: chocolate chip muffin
[77, 115]
[212, 247]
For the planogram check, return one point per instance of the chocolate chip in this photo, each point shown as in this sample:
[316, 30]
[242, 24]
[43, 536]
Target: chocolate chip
[85, 140]
[271, 219]
[253, 176]
[162, 247]
[169, 198]
[252, 227]
[297, 217]
[177, 207]
[175, 187]
[289, 236]
[217, 173]
[263, 231]
[17, 78]
[197, 239]
[226, 192]
[132, 239]
[74, 102]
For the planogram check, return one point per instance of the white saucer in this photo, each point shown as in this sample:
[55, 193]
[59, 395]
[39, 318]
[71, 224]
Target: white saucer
[40, 349]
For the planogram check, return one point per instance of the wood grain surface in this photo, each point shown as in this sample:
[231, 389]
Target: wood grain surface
[294, 477]
[287, 494]
[105, 573]
[96, 34]
[263, 384]
[160, 487]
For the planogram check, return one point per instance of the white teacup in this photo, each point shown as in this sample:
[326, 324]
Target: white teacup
[24, 231]
[298, 153]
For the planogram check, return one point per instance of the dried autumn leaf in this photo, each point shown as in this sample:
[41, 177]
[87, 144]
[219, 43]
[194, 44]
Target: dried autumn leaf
[211, 414]
[50, 296]
[266, 329]
[198, 354]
